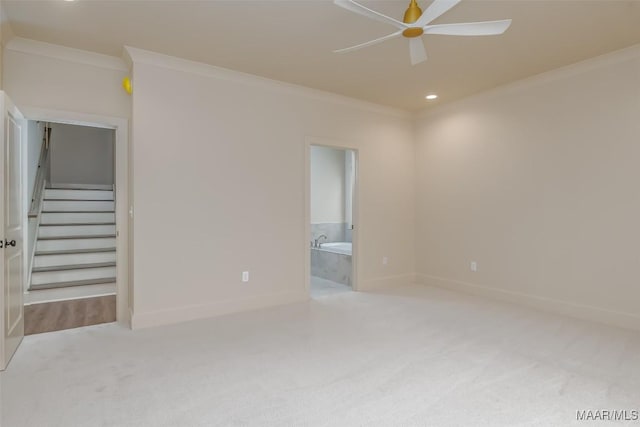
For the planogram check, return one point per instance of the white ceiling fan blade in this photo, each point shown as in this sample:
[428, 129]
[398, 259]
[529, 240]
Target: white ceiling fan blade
[369, 43]
[417, 50]
[488, 28]
[437, 8]
[365, 11]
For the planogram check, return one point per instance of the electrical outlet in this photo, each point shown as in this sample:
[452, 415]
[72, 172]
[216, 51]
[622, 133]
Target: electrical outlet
[473, 266]
[385, 260]
[245, 276]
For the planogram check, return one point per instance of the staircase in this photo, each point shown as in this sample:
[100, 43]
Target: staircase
[76, 242]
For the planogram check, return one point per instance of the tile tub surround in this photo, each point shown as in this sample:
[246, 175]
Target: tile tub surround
[348, 233]
[331, 266]
[335, 232]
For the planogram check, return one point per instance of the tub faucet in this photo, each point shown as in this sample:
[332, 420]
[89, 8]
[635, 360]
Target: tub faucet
[318, 240]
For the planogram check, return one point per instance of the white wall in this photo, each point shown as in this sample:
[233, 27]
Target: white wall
[327, 185]
[81, 155]
[6, 34]
[220, 182]
[47, 76]
[538, 183]
[3, 22]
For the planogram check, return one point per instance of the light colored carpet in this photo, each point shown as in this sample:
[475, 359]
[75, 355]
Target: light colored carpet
[322, 287]
[413, 356]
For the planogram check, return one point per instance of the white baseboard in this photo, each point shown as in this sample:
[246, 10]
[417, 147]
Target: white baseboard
[388, 281]
[219, 308]
[126, 319]
[579, 311]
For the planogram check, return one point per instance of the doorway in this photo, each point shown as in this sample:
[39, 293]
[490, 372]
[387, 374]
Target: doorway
[332, 190]
[71, 239]
[14, 303]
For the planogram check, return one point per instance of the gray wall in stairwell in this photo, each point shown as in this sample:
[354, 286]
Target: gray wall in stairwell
[35, 133]
[81, 155]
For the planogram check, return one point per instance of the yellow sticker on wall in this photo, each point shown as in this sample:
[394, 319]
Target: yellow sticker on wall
[126, 85]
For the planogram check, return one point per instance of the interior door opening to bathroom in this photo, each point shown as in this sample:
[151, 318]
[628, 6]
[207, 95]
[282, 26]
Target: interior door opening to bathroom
[332, 212]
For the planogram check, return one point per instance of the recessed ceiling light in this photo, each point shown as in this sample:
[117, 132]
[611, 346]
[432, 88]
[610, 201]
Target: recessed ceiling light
[431, 97]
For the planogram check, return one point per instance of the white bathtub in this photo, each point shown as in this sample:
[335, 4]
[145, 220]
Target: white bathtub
[343, 248]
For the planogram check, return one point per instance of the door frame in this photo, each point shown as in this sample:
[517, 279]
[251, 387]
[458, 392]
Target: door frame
[355, 236]
[122, 183]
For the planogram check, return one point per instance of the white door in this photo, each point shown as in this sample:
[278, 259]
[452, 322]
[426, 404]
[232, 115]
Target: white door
[12, 228]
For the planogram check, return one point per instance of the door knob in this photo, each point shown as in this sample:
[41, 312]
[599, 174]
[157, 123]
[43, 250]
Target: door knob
[6, 243]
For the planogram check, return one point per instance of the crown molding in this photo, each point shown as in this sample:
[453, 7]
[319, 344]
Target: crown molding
[617, 56]
[126, 57]
[49, 50]
[174, 63]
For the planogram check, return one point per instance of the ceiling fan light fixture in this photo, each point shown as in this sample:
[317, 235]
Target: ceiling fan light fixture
[412, 13]
[416, 23]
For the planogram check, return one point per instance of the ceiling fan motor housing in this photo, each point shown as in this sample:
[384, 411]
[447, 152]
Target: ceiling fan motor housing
[411, 15]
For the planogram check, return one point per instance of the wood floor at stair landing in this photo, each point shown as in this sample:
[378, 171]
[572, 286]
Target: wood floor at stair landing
[59, 315]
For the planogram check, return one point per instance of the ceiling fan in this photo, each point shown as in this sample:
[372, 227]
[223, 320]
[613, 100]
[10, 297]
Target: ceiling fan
[416, 23]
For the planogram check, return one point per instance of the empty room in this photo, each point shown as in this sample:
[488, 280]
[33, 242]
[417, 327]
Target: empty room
[319, 213]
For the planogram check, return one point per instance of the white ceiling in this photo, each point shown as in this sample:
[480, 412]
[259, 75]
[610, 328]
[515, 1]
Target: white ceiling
[292, 41]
